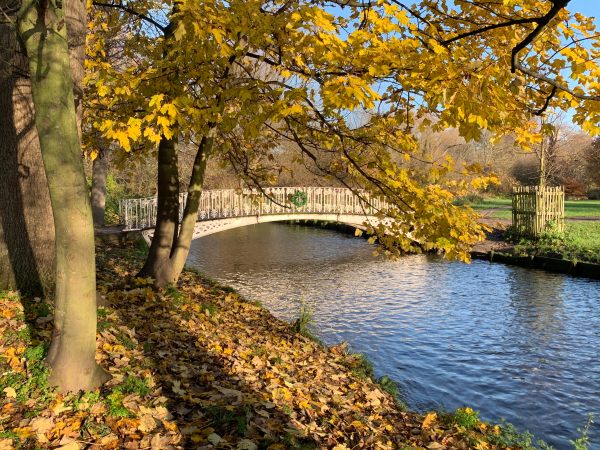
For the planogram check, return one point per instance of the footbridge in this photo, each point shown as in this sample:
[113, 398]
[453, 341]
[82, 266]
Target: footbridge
[226, 209]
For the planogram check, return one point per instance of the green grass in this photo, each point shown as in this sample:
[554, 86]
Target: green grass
[580, 241]
[582, 208]
[131, 385]
[573, 208]
[303, 323]
[584, 234]
[35, 384]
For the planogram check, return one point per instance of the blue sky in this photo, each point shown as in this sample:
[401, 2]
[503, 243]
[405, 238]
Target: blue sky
[590, 8]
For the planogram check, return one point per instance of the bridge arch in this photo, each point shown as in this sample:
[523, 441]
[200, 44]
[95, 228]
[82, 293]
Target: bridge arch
[208, 227]
[226, 209]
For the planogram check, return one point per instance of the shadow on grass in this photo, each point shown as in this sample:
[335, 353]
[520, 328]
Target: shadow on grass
[204, 394]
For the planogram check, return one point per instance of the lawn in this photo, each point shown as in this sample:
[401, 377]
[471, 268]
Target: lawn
[584, 235]
[581, 242]
[500, 208]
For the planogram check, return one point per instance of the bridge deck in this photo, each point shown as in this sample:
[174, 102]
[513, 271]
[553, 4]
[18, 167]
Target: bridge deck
[287, 202]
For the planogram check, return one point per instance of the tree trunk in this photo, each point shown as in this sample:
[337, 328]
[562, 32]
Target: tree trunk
[190, 214]
[543, 176]
[99, 172]
[76, 19]
[171, 243]
[72, 361]
[26, 222]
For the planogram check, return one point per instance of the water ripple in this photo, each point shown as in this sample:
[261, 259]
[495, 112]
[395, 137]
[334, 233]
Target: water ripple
[511, 342]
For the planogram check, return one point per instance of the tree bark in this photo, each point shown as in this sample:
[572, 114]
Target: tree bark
[171, 243]
[26, 222]
[99, 172]
[157, 264]
[72, 357]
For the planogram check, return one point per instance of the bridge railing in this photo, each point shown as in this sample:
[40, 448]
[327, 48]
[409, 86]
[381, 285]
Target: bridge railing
[140, 213]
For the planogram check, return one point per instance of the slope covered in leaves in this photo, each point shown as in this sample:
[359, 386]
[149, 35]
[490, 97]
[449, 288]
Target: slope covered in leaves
[199, 367]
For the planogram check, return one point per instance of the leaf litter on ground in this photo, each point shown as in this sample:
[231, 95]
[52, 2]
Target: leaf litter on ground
[197, 366]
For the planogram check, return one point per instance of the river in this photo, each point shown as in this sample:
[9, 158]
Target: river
[510, 342]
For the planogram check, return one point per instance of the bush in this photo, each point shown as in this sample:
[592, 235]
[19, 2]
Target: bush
[114, 193]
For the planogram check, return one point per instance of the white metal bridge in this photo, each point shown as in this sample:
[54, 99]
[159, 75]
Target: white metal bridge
[225, 209]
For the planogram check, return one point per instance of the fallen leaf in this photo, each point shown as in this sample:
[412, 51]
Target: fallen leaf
[69, 446]
[436, 446]
[214, 438]
[10, 392]
[41, 425]
[429, 419]
[246, 444]
[147, 424]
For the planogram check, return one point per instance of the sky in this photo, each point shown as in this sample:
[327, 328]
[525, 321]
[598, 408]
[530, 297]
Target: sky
[590, 8]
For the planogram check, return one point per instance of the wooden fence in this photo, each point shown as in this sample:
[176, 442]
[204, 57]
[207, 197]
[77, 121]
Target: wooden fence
[535, 207]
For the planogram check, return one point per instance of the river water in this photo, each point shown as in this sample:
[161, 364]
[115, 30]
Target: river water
[513, 343]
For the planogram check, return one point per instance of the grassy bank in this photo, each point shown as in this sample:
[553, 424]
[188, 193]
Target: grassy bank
[579, 242]
[196, 366]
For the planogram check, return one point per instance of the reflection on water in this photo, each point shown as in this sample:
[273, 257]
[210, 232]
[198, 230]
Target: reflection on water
[511, 342]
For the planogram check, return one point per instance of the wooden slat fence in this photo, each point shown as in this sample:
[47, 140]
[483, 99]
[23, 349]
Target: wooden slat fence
[535, 207]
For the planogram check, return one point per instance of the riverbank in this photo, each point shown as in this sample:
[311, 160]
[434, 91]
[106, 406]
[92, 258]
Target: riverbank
[574, 252]
[197, 366]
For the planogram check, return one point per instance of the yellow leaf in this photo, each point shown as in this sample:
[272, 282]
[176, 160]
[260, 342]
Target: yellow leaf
[163, 121]
[169, 108]
[10, 392]
[429, 419]
[123, 139]
[156, 100]
[357, 424]
[70, 446]
[103, 90]
[60, 407]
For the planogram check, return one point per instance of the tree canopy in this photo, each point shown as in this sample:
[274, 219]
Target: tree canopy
[347, 82]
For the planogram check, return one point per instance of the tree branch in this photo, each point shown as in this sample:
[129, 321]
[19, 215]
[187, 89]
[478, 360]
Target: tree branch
[541, 111]
[556, 84]
[557, 5]
[494, 26]
[133, 12]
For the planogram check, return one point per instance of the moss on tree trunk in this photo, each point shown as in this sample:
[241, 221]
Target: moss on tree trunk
[72, 354]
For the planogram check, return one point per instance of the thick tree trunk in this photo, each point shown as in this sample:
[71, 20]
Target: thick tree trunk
[171, 243]
[72, 360]
[76, 20]
[99, 172]
[26, 222]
